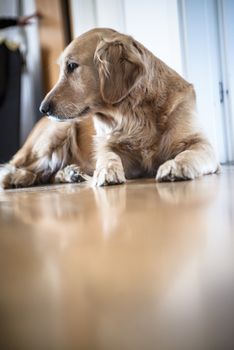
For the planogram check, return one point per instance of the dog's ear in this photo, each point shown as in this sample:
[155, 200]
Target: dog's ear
[120, 68]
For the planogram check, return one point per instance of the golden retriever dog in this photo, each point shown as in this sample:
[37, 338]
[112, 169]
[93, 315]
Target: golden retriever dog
[117, 112]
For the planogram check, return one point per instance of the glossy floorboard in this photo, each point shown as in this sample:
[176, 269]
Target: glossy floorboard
[136, 266]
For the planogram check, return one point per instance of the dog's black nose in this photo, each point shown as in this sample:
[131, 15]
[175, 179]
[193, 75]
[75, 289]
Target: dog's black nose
[46, 107]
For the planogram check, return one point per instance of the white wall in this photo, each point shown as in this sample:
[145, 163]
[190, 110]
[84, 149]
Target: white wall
[88, 14]
[83, 14]
[153, 22]
[110, 14]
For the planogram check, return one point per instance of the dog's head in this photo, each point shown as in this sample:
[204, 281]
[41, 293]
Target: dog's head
[99, 68]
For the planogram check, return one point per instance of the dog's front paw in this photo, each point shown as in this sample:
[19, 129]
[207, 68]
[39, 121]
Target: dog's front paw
[173, 170]
[69, 174]
[12, 177]
[5, 176]
[109, 175]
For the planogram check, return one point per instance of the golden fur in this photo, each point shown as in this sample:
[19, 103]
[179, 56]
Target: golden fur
[125, 114]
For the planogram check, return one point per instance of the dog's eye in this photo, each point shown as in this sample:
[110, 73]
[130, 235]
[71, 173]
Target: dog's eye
[71, 67]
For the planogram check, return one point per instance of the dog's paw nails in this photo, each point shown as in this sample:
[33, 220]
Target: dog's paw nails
[175, 171]
[75, 176]
[165, 171]
[70, 174]
[111, 175]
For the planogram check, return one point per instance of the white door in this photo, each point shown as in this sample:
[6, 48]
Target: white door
[226, 25]
[205, 65]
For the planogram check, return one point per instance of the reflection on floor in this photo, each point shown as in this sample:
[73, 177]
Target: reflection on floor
[138, 266]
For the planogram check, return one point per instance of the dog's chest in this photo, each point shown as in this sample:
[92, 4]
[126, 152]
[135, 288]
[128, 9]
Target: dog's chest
[102, 128]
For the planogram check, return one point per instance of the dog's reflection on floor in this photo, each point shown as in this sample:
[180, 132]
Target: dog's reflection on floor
[192, 193]
[111, 203]
[54, 207]
[114, 258]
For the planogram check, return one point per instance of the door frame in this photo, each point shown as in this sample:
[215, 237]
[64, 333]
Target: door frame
[227, 92]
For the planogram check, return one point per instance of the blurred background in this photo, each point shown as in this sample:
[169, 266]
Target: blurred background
[194, 37]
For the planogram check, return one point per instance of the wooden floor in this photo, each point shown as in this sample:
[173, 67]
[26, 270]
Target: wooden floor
[138, 266]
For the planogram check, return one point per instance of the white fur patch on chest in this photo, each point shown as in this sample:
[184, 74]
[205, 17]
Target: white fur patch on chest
[49, 163]
[102, 128]
[53, 162]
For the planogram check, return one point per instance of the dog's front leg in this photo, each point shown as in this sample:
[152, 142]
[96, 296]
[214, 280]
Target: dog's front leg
[109, 169]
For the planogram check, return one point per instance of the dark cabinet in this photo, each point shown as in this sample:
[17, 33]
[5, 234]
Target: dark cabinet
[10, 78]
